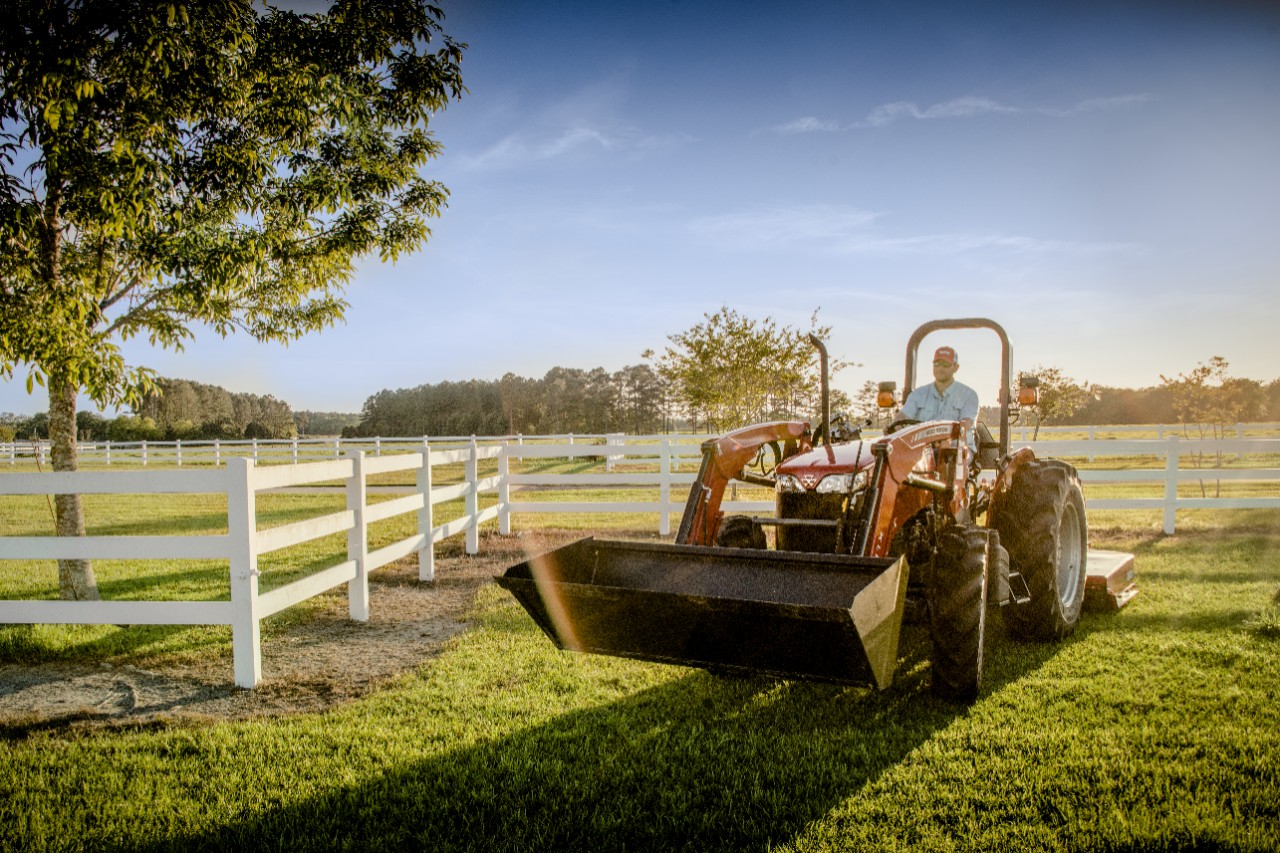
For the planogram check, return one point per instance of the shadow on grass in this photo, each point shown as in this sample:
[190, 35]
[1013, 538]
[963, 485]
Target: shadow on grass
[699, 763]
[93, 644]
[179, 524]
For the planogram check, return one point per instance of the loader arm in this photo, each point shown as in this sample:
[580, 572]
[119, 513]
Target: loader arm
[723, 459]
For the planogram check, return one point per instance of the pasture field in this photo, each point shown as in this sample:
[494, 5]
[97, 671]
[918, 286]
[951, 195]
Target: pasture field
[1157, 728]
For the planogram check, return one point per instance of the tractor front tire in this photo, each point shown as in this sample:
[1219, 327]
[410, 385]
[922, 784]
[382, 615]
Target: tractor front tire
[958, 613]
[1043, 527]
[739, 531]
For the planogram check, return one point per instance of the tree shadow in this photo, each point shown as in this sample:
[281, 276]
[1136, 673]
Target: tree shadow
[700, 763]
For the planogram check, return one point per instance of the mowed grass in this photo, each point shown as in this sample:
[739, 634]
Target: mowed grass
[1157, 728]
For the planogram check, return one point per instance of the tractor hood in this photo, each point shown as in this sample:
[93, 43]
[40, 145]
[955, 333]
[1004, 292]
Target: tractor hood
[809, 468]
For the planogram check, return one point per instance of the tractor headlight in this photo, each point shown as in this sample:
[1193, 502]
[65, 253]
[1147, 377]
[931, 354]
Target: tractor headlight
[843, 484]
[788, 483]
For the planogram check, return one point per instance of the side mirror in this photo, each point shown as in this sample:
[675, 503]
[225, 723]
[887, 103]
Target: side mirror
[885, 395]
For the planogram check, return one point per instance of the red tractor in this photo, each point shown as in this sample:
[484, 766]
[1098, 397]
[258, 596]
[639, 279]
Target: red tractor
[919, 524]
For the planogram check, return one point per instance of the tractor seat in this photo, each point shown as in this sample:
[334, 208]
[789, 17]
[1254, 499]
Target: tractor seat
[988, 448]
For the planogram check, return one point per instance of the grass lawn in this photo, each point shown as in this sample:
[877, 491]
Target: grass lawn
[1157, 728]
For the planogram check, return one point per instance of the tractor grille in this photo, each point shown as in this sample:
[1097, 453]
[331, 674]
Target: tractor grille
[808, 506]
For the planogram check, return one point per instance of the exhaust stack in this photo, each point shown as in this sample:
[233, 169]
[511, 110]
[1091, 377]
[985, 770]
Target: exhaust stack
[826, 388]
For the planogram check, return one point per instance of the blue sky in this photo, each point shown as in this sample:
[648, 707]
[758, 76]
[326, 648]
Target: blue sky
[1101, 178]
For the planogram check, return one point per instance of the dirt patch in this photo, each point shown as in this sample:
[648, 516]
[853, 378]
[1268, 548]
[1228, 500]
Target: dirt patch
[321, 662]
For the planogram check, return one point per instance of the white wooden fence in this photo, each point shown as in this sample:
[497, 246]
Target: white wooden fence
[241, 481]
[262, 450]
[665, 464]
[1173, 450]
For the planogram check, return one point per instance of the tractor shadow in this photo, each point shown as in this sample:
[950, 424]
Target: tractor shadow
[699, 763]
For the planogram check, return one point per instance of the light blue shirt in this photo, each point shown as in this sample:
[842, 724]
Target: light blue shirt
[959, 402]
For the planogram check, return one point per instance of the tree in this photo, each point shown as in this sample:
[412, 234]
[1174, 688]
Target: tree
[1272, 391]
[638, 401]
[731, 370]
[1060, 396]
[865, 406]
[324, 423]
[1212, 401]
[167, 163]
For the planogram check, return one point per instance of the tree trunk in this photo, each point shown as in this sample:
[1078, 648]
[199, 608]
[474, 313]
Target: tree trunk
[75, 577]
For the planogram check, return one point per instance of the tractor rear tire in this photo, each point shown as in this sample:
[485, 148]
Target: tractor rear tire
[739, 531]
[1043, 527]
[958, 612]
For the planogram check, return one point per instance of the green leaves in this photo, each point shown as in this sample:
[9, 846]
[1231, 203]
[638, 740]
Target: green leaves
[207, 162]
[731, 370]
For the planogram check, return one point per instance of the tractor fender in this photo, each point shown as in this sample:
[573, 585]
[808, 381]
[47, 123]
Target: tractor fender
[1004, 480]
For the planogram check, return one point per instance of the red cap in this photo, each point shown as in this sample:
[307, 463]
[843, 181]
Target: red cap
[946, 354]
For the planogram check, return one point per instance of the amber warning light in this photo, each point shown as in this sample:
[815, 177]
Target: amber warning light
[884, 395]
[1029, 392]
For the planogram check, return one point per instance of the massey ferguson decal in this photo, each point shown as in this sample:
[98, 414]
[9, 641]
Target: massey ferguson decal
[930, 434]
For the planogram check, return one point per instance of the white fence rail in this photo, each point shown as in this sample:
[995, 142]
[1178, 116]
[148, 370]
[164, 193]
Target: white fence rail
[289, 451]
[297, 450]
[659, 463]
[242, 481]
[1173, 450]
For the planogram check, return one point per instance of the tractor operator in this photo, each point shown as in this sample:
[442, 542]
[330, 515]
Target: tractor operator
[945, 399]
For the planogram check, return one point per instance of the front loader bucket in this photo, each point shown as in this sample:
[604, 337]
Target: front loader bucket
[822, 617]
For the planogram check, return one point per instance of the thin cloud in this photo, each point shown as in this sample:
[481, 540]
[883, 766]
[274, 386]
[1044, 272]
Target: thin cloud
[522, 148]
[782, 226]
[969, 106]
[1118, 102]
[842, 230]
[962, 243]
[808, 124]
[966, 107]
[972, 106]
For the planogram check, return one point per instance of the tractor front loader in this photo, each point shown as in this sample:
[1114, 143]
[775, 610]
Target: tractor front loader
[917, 525]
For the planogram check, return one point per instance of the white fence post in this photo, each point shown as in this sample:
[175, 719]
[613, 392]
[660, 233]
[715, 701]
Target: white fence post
[144, 454]
[664, 490]
[246, 636]
[295, 450]
[504, 491]
[427, 554]
[473, 499]
[1171, 486]
[358, 539]
[177, 447]
[217, 453]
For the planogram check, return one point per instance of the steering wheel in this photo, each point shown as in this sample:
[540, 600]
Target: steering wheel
[900, 423]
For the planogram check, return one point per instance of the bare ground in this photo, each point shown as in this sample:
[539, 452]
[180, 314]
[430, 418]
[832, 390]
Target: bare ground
[321, 662]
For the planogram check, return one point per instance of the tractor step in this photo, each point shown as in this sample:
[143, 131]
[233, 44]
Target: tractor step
[1109, 583]
[820, 617]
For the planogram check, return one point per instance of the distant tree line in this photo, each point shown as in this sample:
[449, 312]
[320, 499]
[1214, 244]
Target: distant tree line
[177, 409]
[565, 400]
[324, 423]
[720, 374]
[724, 372]
[1204, 400]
